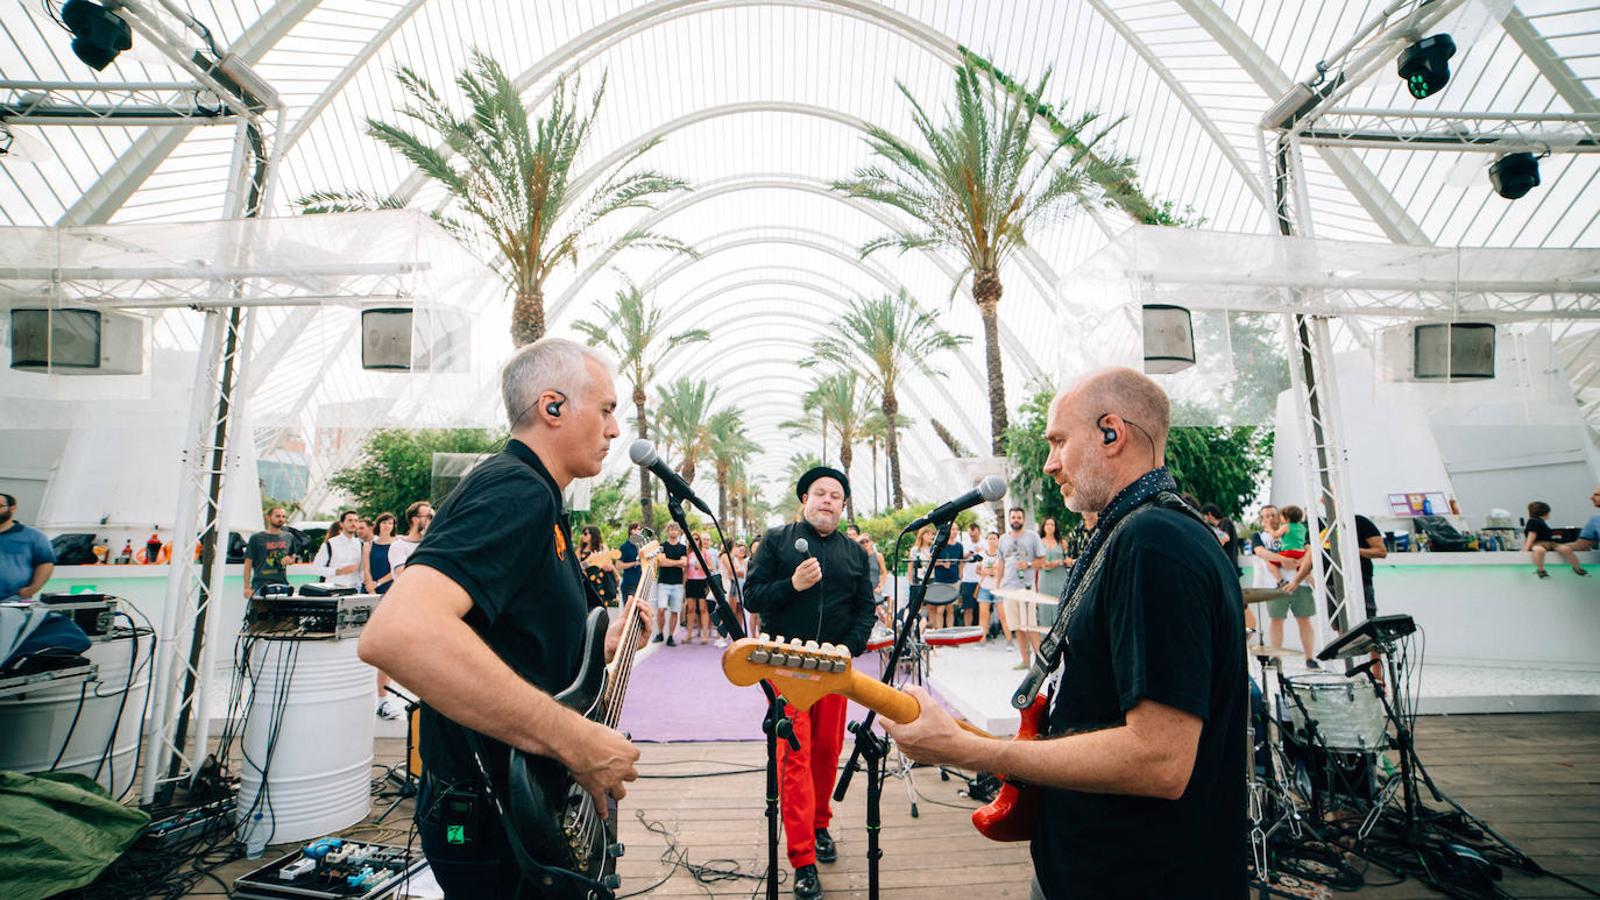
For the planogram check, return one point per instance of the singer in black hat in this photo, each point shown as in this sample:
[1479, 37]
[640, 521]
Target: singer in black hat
[809, 581]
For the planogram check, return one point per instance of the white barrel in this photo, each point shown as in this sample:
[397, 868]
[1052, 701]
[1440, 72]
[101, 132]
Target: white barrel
[319, 773]
[35, 725]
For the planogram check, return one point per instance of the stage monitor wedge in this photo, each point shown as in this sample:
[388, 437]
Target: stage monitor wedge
[77, 342]
[1468, 355]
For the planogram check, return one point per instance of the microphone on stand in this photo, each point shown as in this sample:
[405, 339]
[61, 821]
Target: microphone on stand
[643, 454]
[989, 489]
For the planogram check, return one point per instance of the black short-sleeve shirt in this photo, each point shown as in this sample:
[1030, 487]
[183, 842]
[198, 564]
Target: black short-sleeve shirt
[1165, 623]
[502, 535]
[1539, 528]
[672, 574]
[1365, 529]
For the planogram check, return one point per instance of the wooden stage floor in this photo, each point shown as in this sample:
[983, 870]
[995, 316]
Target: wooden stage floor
[1533, 777]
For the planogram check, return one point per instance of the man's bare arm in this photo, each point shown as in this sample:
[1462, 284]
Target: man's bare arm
[1152, 755]
[418, 637]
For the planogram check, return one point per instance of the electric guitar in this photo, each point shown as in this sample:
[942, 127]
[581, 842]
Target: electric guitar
[805, 672]
[555, 819]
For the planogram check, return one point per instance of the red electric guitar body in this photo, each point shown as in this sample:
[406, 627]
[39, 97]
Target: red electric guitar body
[1012, 815]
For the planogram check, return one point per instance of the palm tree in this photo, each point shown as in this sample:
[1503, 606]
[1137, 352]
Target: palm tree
[513, 180]
[730, 447]
[684, 420]
[631, 329]
[885, 339]
[839, 401]
[799, 464]
[875, 431]
[979, 185]
[811, 416]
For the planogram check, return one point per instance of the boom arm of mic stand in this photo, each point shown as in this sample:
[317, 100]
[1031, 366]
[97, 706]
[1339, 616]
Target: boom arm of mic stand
[919, 590]
[722, 613]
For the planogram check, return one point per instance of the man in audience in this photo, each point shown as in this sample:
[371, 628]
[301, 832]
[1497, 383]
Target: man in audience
[26, 557]
[267, 555]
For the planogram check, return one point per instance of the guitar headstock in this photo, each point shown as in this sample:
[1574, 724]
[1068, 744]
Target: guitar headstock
[649, 551]
[803, 671]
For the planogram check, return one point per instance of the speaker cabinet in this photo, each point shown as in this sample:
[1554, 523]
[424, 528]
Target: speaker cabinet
[406, 339]
[1453, 351]
[77, 342]
[1168, 339]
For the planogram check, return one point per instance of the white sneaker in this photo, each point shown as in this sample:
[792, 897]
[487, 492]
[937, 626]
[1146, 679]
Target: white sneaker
[722, 642]
[387, 710]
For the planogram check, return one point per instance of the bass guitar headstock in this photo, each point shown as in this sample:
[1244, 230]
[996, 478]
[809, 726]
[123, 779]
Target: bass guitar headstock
[803, 671]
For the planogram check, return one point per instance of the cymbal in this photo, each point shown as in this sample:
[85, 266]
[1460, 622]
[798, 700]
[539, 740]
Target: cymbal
[1265, 650]
[1262, 595]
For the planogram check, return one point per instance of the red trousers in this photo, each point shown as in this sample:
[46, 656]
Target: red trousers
[806, 775]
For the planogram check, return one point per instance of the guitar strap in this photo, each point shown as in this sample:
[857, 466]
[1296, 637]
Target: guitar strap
[1155, 489]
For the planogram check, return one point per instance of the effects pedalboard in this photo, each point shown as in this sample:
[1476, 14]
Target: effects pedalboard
[332, 869]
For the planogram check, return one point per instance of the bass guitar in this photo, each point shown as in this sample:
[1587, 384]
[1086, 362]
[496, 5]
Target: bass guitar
[805, 672]
[554, 818]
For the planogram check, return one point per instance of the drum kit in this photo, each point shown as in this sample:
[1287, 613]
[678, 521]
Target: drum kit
[1318, 739]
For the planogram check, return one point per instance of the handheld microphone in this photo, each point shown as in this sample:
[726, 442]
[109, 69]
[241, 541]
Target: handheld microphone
[643, 454]
[991, 489]
[802, 547]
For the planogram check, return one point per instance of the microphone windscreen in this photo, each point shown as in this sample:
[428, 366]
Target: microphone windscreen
[992, 488]
[642, 452]
[801, 546]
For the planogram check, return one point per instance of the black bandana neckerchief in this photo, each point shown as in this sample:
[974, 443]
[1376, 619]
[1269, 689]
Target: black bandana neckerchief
[1142, 491]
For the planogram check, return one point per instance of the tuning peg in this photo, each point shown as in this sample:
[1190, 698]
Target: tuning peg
[829, 649]
[796, 642]
[839, 665]
[812, 645]
[780, 639]
[760, 657]
[766, 638]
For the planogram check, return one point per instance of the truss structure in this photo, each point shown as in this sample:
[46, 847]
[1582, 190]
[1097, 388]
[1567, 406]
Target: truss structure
[110, 103]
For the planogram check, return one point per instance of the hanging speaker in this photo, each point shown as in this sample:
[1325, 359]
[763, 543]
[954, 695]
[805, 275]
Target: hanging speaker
[1168, 339]
[1453, 351]
[414, 339]
[386, 339]
[77, 342]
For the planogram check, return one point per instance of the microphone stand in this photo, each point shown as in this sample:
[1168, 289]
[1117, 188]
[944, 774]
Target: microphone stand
[776, 724]
[869, 746]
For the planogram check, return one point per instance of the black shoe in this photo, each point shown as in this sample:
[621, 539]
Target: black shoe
[826, 851]
[1313, 664]
[806, 885]
[658, 638]
[671, 642]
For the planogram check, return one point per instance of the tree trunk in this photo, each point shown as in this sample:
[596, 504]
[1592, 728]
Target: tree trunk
[527, 316]
[722, 492]
[986, 291]
[891, 412]
[847, 453]
[876, 508]
[687, 469]
[646, 492]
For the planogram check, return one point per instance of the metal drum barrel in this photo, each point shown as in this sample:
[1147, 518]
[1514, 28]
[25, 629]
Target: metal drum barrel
[36, 724]
[314, 706]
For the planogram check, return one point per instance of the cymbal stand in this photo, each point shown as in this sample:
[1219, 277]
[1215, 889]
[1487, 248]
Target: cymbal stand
[1270, 789]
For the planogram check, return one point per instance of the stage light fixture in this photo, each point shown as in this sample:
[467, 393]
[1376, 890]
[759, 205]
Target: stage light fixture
[98, 34]
[1514, 175]
[1425, 65]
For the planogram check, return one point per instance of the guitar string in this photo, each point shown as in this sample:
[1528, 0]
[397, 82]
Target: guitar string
[588, 816]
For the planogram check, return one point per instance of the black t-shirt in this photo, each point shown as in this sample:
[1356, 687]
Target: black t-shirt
[1165, 623]
[1230, 547]
[1365, 529]
[502, 535]
[268, 555]
[1539, 528]
[672, 574]
[948, 572]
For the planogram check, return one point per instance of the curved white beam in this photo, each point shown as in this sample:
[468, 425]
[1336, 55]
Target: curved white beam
[351, 68]
[1176, 86]
[820, 327]
[1009, 343]
[1042, 269]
